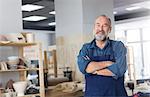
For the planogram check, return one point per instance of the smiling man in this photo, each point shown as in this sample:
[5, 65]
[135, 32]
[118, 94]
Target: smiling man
[103, 62]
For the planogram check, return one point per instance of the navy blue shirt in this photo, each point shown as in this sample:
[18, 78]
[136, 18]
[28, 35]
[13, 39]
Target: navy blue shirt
[113, 48]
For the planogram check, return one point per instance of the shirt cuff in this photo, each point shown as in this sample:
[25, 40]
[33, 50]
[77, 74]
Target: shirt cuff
[113, 69]
[83, 65]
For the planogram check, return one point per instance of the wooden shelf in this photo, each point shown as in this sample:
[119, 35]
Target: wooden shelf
[22, 72]
[18, 70]
[16, 44]
[30, 95]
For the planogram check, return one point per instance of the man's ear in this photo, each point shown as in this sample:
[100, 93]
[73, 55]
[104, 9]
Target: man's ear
[93, 31]
[110, 29]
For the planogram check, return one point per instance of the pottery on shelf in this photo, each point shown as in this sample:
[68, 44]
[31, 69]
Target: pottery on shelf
[20, 87]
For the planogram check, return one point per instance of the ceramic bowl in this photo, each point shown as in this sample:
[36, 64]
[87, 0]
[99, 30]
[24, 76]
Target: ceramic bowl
[13, 60]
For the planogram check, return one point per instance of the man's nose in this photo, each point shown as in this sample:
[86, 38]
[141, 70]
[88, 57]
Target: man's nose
[100, 28]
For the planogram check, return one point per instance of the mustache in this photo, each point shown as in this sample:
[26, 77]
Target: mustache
[98, 32]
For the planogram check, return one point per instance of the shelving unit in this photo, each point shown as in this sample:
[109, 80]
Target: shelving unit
[23, 72]
[17, 44]
[19, 70]
[53, 62]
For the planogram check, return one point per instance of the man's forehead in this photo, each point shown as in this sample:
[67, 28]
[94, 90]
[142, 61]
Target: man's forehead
[102, 19]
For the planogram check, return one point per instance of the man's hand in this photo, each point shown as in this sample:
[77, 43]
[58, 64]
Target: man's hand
[94, 66]
[108, 63]
[104, 72]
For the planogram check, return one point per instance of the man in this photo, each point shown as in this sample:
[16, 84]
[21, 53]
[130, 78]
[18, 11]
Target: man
[103, 62]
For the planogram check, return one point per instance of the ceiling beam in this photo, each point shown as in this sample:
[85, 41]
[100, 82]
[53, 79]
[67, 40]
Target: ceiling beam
[29, 1]
[132, 15]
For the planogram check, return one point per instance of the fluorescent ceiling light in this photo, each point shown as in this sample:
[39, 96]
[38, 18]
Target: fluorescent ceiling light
[52, 24]
[52, 12]
[34, 18]
[133, 8]
[30, 7]
[147, 7]
[145, 4]
[114, 12]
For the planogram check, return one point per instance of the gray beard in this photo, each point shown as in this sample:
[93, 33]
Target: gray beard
[99, 37]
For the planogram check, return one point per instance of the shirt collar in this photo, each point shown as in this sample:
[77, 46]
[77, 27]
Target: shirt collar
[93, 43]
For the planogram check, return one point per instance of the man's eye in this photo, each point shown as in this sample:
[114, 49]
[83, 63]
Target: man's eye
[97, 25]
[105, 25]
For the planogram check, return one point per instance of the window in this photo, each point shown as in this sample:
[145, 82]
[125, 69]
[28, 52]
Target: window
[146, 51]
[120, 35]
[146, 33]
[137, 59]
[136, 37]
[133, 35]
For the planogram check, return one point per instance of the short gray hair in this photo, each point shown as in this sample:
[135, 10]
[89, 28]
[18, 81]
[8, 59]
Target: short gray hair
[103, 15]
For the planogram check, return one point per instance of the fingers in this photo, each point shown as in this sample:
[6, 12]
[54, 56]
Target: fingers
[109, 63]
[95, 72]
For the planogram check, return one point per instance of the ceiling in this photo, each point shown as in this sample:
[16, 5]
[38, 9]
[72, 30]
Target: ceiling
[119, 6]
[43, 24]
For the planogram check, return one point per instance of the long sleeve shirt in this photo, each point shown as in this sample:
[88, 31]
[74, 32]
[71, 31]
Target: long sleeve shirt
[118, 68]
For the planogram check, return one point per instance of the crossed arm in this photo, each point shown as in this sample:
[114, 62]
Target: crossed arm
[106, 68]
[99, 68]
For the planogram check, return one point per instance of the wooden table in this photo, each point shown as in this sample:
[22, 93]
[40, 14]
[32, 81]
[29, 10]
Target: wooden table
[49, 93]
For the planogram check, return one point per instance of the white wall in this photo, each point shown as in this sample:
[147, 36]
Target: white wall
[45, 37]
[68, 21]
[10, 16]
[91, 10]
